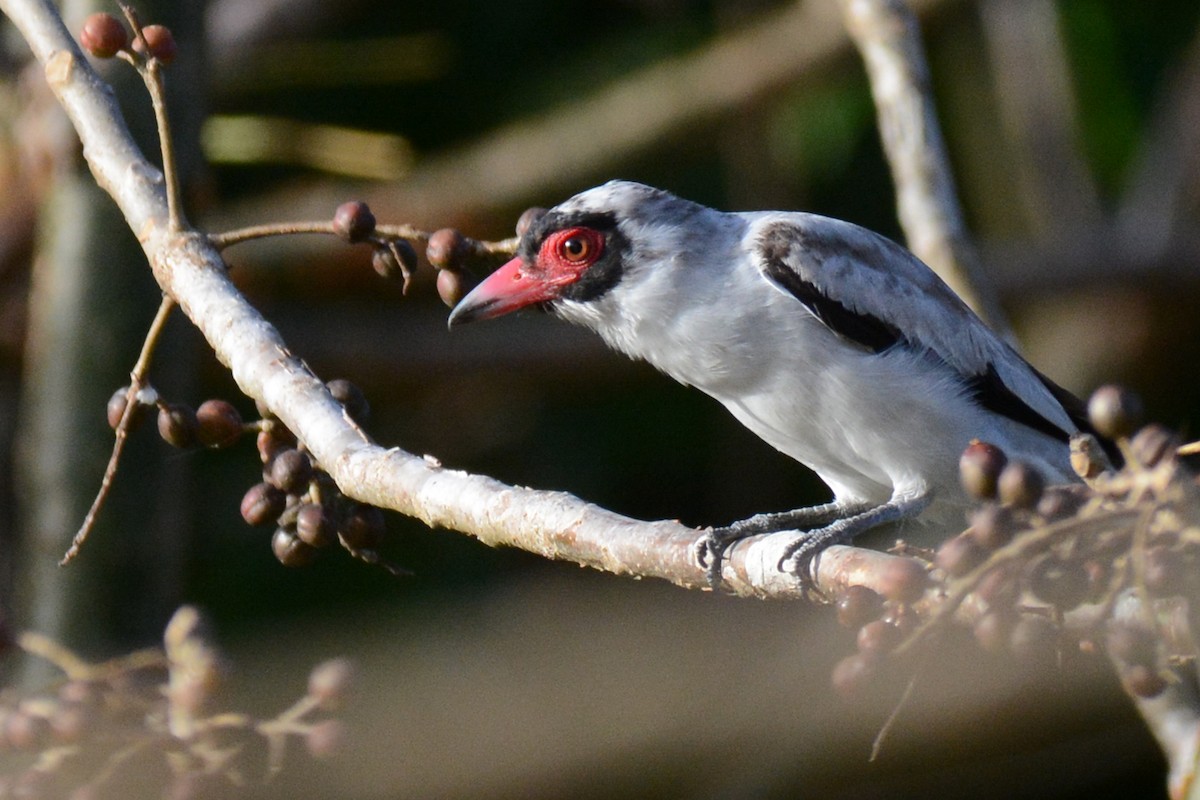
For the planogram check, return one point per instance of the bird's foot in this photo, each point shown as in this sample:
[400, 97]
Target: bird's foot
[797, 558]
[710, 552]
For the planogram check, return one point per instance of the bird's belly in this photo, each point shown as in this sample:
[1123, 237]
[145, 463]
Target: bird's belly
[871, 426]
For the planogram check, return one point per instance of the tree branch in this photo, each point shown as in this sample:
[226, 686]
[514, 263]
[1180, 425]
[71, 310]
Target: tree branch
[190, 269]
[886, 33]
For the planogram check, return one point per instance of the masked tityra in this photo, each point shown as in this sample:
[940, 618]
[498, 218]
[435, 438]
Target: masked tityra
[835, 345]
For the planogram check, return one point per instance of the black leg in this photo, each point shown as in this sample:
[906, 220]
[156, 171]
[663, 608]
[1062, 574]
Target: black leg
[797, 558]
[710, 551]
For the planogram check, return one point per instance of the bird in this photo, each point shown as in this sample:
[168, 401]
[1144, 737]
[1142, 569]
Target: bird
[832, 343]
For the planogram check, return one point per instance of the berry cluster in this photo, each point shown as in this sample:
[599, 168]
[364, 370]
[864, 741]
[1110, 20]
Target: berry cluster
[447, 252]
[1088, 565]
[302, 501]
[148, 718]
[392, 255]
[296, 496]
[105, 36]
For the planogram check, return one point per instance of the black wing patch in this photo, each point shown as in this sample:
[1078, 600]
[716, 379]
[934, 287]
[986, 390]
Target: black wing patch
[992, 393]
[864, 329]
[876, 335]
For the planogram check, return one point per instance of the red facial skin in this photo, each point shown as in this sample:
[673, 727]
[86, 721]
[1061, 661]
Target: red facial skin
[561, 260]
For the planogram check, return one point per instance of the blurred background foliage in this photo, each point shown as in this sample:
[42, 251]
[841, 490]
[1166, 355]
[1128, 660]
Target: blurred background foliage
[1073, 128]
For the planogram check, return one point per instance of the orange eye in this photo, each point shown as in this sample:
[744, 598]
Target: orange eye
[575, 249]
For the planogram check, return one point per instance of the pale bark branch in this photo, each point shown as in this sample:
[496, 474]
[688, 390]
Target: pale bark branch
[190, 269]
[886, 33]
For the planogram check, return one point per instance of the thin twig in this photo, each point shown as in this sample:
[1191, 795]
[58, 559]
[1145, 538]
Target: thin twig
[151, 71]
[136, 383]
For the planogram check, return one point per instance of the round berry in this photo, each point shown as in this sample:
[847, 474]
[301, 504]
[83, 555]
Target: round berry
[979, 469]
[103, 35]
[450, 287]
[290, 551]
[263, 504]
[1059, 502]
[1020, 485]
[385, 263]
[959, 555]
[177, 424]
[878, 637]
[218, 423]
[446, 249]
[352, 398]
[353, 221]
[362, 528]
[313, 525]
[116, 407]
[160, 42]
[291, 470]
[992, 526]
[1114, 411]
[858, 605]
[903, 580]
[273, 440]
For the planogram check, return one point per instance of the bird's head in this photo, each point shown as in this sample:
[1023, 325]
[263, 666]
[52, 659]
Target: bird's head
[577, 251]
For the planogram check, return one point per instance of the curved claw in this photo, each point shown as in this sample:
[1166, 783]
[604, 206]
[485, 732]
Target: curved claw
[710, 554]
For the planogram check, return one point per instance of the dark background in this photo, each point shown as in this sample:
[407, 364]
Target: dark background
[494, 673]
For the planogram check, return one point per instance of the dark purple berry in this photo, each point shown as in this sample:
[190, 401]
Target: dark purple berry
[218, 423]
[177, 424]
[959, 555]
[290, 551]
[352, 398]
[362, 528]
[858, 605]
[262, 504]
[446, 249]
[353, 221]
[1020, 485]
[290, 470]
[992, 526]
[903, 580]
[1060, 583]
[979, 469]
[450, 287]
[313, 525]
[878, 637]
